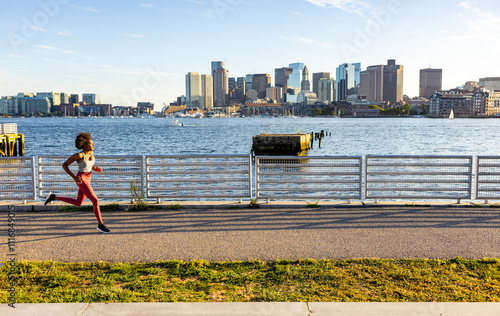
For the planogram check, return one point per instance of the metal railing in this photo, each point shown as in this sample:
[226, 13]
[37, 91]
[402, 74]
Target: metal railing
[488, 178]
[17, 179]
[208, 177]
[308, 177]
[115, 182]
[224, 176]
[418, 177]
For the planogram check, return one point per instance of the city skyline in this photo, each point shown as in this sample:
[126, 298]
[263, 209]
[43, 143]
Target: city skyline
[141, 51]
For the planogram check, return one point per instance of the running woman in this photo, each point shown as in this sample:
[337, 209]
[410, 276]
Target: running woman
[85, 160]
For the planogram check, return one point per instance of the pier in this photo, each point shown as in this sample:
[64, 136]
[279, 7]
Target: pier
[281, 144]
[11, 143]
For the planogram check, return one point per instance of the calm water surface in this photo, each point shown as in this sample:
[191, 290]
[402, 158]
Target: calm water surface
[350, 136]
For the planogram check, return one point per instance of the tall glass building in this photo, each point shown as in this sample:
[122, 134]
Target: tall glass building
[293, 82]
[348, 77]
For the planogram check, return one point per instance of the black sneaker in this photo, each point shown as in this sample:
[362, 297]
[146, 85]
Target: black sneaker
[50, 198]
[102, 228]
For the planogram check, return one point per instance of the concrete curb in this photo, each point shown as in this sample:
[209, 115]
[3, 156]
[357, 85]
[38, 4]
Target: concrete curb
[254, 309]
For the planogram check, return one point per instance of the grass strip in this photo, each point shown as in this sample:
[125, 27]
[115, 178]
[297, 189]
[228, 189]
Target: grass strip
[357, 280]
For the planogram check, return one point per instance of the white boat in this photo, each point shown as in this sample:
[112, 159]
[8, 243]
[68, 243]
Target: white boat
[452, 115]
[174, 123]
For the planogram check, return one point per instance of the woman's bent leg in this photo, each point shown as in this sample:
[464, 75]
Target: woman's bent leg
[89, 192]
[77, 202]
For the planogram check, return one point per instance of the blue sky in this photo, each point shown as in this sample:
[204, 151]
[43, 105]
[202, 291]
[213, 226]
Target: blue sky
[131, 51]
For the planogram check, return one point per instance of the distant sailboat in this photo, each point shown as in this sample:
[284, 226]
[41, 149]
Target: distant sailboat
[452, 116]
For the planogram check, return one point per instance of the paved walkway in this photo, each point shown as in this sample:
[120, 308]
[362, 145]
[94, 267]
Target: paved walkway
[217, 234]
[254, 309]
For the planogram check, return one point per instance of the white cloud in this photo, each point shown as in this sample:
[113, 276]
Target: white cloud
[483, 23]
[135, 35]
[79, 77]
[87, 8]
[39, 28]
[52, 48]
[199, 2]
[146, 5]
[352, 6]
[65, 33]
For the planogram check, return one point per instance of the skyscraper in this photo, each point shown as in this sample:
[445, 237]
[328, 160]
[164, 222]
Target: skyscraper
[281, 76]
[305, 84]
[221, 87]
[316, 77]
[207, 90]
[348, 76]
[293, 82]
[371, 83]
[430, 82]
[393, 82]
[215, 65]
[260, 83]
[326, 90]
[193, 90]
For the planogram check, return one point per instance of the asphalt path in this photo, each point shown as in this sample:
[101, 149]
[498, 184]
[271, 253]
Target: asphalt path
[394, 232]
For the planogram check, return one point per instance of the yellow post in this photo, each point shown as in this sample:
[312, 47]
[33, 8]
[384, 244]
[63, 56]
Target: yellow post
[3, 145]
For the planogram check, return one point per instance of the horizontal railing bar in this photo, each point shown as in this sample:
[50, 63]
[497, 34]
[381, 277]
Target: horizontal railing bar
[198, 189]
[370, 173]
[430, 165]
[312, 182]
[369, 157]
[196, 180]
[419, 189]
[260, 173]
[197, 164]
[305, 190]
[308, 165]
[300, 197]
[417, 181]
[189, 172]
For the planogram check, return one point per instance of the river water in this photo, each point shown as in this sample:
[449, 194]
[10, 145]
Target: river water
[350, 136]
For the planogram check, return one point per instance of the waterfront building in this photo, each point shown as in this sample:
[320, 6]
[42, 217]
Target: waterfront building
[207, 90]
[221, 86]
[326, 90]
[146, 107]
[316, 78]
[431, 80]
[193, 89]
[68, 109]
[348, 77]
[91, 98]
[460, 101]
[260, 83]
[371, 85]
[264, 108]
[24, 104]
[97, 110]
[486, 102]
[490, 83]
[393, 82]
[305, 84]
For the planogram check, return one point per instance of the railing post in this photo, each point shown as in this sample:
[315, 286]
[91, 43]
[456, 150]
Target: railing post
[143, 187]
[34, 181]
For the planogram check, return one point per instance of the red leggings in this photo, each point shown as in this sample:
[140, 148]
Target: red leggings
[85, 190]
